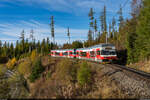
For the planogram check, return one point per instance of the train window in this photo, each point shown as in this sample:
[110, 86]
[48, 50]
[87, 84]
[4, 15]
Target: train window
[65, 53]
[105, 52]
[83, 54]
[112, 53]
[98, 52]
[74, 53]
[57, 53]
[80, 53]
[70, 53]
[92, 54]
[77, 53]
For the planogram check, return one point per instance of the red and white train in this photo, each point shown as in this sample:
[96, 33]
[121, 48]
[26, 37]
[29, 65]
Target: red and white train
[99, 53]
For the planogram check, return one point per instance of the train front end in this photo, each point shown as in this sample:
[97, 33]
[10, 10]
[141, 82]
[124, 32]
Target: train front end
[106, 53]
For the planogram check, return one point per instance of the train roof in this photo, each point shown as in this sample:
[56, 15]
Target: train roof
[102, 45]
[95, 46]
[63, 50]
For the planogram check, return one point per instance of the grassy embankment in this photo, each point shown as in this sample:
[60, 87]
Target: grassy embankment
[46, 77]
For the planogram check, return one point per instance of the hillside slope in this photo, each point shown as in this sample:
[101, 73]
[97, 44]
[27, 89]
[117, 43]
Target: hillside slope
[60, 80]
[72, 78]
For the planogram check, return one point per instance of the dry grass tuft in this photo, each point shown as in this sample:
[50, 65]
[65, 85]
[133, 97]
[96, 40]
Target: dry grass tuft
[143, 66]
[109, 89]
[25, 68]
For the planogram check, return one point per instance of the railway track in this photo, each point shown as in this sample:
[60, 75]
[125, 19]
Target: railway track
[141, 73]
[138, 72]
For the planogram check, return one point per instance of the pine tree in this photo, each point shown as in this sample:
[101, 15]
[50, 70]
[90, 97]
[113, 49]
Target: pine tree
[102, 22]
[17, 51]
[11, 50]
[52, 28]
[39, 46]
[121, 33]
[121, 19]
[95, 28]
[143, 32]
[133, 44]
[110, 31]
[91, 17]
[4, 49]
[22, 37]
[114, 28]
[43, 46]
[32, 34]
[26, 46]
[47, 45]
[68, 34]
[103, 25]
[90, 37]
[130, 41]
[99, 37]
[0, 47]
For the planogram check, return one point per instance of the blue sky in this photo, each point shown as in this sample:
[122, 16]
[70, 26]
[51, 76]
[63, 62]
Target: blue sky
[16, 15]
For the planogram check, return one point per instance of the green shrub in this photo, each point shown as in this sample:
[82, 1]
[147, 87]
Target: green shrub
[37, 69]
[24, 55]
[2, 70]
[3, 60]
[48, 75]
[4, 89]
[25, 67]
[66, 70]
[84, 74]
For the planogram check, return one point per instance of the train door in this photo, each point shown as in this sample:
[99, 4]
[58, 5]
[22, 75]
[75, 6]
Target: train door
[67, 54]
[92, 54]
[97, 52]
[74, 53]
[70, 54]
[88, 54]
[61, 54]
[80, 54]
[77, 54]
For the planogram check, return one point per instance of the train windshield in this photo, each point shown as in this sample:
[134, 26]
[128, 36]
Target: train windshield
[104, 52]
[112, 52]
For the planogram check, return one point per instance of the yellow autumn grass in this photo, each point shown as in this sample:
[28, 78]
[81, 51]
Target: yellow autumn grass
[110, 90]
[11, 63]
[143, 66]
[2, 70]
[25, 67]
[146, 67]
[33, 55]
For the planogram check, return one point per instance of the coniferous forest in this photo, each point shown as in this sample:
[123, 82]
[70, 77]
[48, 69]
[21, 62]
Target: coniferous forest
[130, 36]
[28, 71]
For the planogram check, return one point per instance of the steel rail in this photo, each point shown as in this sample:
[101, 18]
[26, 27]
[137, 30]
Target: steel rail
[139, 72]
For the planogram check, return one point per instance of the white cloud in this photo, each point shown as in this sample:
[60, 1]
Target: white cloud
[12, 31]
[72, 6]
